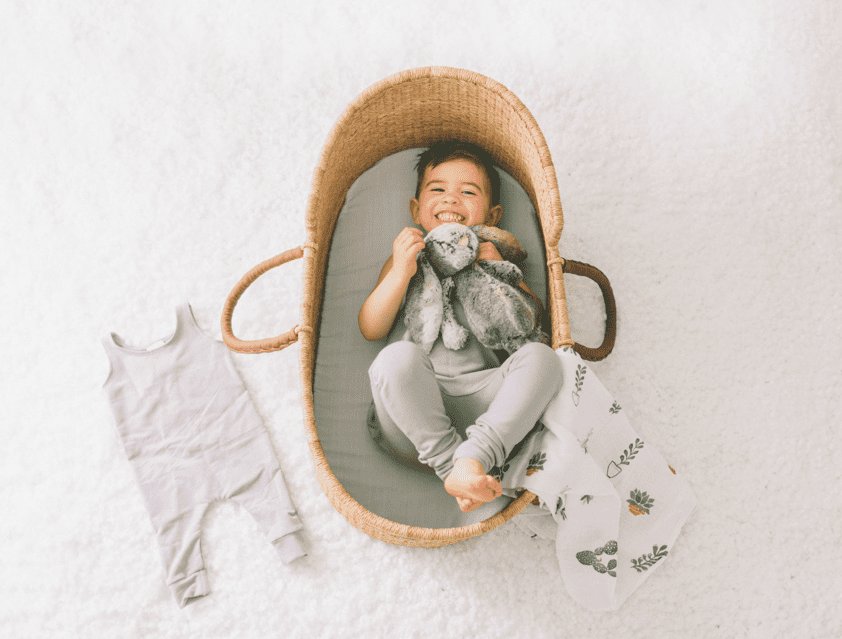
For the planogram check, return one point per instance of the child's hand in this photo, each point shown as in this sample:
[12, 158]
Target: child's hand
[487, 251]
[405, 248]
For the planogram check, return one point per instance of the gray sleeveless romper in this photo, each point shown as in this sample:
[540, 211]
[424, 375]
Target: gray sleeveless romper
[193, 436]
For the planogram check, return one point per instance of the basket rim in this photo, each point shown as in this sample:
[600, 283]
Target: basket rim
[553, 234]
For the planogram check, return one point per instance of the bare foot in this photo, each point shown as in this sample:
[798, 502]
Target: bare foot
[470, 485]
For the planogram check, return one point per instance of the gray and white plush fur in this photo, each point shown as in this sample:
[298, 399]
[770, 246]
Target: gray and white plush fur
[499, 313]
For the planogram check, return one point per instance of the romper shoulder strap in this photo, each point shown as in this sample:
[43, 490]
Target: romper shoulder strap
[107, 343]
[187, 321]
[113, 355]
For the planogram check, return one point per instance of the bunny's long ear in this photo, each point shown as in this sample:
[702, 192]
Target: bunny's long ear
[453, 334]
[424, 308]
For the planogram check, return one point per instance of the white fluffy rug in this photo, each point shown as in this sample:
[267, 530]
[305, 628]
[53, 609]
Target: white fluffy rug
[152, 152]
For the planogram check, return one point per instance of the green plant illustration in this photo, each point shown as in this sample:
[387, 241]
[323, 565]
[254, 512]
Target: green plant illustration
[587, 439]
[644, 562]
[586, 498]
[536, 463]
[580, 380]
[497, 473]
[640, 503]
[559, 509]
[594, 558]
[625, 457]
[535, 432]
[615, 408]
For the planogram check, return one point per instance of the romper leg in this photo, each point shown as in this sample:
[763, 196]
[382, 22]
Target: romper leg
[177, 498]
[530, 379]
[410, 409]
[250, 474]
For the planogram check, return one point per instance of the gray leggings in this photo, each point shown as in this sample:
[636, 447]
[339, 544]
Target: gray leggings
[419, 421]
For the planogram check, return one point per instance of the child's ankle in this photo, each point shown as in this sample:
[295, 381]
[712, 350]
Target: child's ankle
[468, 466]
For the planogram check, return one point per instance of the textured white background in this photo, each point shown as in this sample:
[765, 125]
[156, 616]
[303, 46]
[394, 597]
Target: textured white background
[152, 152]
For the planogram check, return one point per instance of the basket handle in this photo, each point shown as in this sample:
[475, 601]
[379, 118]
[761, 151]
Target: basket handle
[259, 345]
[586, 270]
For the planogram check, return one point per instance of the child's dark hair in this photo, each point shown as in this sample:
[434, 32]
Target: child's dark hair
[446, 150]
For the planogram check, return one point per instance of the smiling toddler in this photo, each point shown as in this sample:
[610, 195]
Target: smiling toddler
[457, 183]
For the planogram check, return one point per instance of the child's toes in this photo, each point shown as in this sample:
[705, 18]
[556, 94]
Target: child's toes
[466, 505]
[486, 488]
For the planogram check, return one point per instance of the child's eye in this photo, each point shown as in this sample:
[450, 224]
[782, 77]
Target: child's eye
[469, 192]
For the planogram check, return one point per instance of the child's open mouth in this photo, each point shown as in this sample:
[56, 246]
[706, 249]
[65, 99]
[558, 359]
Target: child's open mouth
[449, 216]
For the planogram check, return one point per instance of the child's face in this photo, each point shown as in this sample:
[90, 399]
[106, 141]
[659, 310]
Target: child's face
[454, 191]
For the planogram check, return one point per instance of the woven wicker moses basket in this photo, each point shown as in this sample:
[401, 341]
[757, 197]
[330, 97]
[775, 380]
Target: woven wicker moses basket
[408, 110]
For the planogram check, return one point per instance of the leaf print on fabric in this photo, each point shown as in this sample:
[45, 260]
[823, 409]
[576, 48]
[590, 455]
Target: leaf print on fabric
[580, 380]
[497, 472]
[536, 463]
[640, 503]
[586, 498]
[615, 408]
[644, 562]
[530, 436]
[594, 559]
[625, 457]
[558, 508]
[587, 438]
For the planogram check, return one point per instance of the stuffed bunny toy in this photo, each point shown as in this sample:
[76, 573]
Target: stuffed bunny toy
[499, 313]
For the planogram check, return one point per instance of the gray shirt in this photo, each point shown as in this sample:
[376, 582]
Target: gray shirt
[458, 372]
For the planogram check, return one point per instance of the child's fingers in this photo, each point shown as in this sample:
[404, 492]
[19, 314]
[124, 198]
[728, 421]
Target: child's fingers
[411, 231]
[410, 242]
[408, 236]
[417, 245]
[411, 238]
[487, 251]
[410, 250]
[405, 248]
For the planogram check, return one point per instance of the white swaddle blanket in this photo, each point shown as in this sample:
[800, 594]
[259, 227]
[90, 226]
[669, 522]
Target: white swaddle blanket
[610, 500]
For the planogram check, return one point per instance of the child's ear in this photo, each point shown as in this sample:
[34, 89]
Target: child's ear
[494, 215]
[414, 211]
